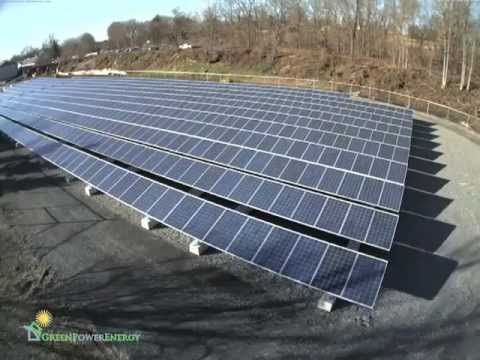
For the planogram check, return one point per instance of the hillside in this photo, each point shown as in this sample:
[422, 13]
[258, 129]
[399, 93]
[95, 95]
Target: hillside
[292, 63]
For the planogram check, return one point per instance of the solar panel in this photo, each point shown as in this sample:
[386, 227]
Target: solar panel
[100, 119]
[276, 94]
[380, 127]
[341, 272]
[250, 190]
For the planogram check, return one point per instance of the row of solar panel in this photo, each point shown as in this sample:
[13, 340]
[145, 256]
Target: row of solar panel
[269, 90]
[352, 221]
[392, 170]
[346, 184]
[236, 130]
[249, 92]
[278, 112]
[373, 166]
[239, 118]
[274, 105]
[341, 272]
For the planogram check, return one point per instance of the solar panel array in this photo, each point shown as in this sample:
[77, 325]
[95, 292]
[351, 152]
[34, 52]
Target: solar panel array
[318, 159]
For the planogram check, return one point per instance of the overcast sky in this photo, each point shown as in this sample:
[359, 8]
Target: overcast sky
[29, 22]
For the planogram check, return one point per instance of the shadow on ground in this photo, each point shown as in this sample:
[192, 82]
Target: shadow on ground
[414, 268]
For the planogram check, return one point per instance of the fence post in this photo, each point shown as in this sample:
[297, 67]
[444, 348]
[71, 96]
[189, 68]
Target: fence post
[351, 87]
[409, 101]
[448, 113]
[428, 107]
[369, 92]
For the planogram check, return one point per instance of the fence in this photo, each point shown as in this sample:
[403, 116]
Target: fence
[368, 92]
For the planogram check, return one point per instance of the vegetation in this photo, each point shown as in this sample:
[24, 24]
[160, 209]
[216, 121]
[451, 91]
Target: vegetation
[434, 42]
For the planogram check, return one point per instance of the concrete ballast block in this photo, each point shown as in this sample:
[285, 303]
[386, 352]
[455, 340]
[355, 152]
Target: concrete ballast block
[148, 223]
[90, 191]
[326, 302]
[197, 247]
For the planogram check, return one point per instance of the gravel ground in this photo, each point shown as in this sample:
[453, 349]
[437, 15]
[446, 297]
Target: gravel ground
[89, 263]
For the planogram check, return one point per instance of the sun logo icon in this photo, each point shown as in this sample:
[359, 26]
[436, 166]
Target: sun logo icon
[43, 318]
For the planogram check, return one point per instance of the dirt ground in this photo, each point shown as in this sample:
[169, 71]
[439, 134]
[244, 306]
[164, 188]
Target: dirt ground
[89, 263]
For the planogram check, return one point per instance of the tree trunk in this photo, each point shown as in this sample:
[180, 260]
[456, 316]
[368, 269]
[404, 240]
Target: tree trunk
[464, 62]
[355, 25]
[446, 57]
[472, 63]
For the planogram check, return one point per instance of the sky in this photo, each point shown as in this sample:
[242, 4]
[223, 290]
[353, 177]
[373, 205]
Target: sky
[29, 22]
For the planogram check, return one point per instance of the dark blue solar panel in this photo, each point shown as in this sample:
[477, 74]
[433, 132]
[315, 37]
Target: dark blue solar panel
[228, 154]
[275, 249]
[329, 156]
[121, 186]
[111, 179]
[248, 240]
[180, 167]
[214, 151]
[165, 204]
[309, 208]
[192, 174]
[357, 222]
[149, 197]
[371, 190]
[92, 169]
[293, 171]
[209, 178]
[303, 261]
[312, 175]
[265, 195]
[202, 222]
[334, 270]
[183, 212]
[381, 229]
[362, 164]
[379, 168]
[365, 280]
[297, 149]
[331, 180]
[333, 215]
[391, 196]
[286, 202]
[397, 172]
[345, 160]
[229, 224]
[226, 183]
[313, 152]
[276, 166]
[135, 190]
[282, 146]
[245, 189]
[259, 162]
[242, 158]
